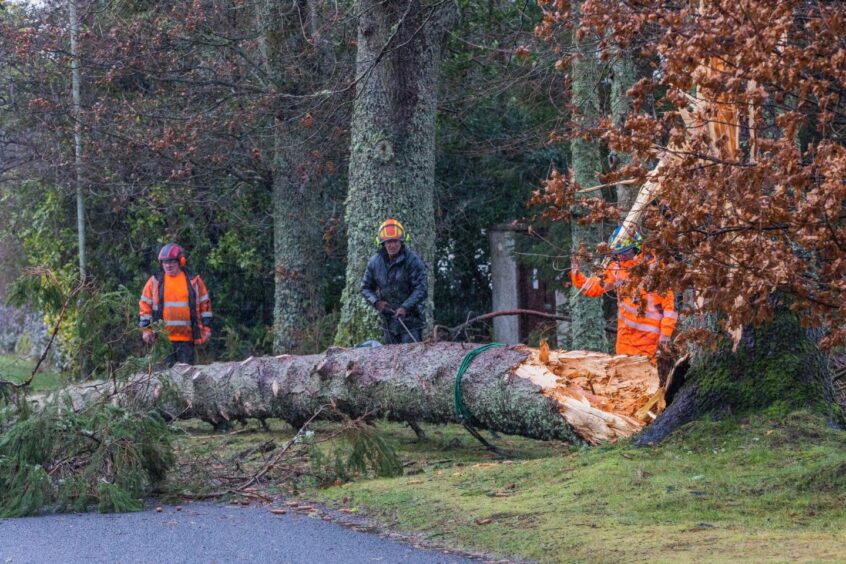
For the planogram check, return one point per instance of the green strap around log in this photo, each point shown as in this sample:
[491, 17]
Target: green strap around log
[461, 409]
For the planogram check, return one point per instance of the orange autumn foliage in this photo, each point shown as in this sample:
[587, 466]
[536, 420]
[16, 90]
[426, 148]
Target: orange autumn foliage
[745, 108]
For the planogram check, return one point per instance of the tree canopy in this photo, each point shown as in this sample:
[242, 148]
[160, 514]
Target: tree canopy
[749, 132]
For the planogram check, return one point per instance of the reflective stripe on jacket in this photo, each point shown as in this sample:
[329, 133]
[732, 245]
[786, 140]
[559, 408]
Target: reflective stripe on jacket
[641, 322]
[185, 320]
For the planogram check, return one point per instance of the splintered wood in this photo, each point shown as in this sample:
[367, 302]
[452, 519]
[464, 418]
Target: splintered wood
[604, 397]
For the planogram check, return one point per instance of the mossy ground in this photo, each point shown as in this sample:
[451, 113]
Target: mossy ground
[18, 369]
[760, 489]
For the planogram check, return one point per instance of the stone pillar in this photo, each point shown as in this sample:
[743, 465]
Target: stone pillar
[562, 307]
[506, 329]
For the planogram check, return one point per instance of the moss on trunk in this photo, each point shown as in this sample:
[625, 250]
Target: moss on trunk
[625, 74]
[588, 320]
[297, 241]
[298, 300]
[776, 368]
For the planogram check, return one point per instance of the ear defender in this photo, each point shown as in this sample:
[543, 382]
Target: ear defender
[183, 261]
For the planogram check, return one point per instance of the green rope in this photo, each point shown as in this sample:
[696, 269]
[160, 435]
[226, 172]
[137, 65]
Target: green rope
[461, 409]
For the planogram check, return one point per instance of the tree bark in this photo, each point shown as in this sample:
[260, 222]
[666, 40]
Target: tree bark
[298, 299]
[76, 100]
[574, 396]
[625, 75]
[297, 217]
[392, 158]
[776, 368]
[588, 320]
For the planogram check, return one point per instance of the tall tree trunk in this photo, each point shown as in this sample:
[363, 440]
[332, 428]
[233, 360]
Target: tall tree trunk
[776, 368]
[588, 321]
[297, 218]
[76, 86]
[625, 75]
[392, 158]
[298, 298]
[76, 99]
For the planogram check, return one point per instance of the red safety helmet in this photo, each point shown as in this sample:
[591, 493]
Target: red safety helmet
[172, 251]
[390, 230]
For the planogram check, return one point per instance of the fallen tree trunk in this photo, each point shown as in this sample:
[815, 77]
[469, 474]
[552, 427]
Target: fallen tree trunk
[573, 396]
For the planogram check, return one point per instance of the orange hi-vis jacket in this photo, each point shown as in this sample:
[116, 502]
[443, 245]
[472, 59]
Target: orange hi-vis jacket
[182, 302]
[641, 323]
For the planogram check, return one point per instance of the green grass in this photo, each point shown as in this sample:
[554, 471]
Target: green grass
[754, 490]
[18, 370]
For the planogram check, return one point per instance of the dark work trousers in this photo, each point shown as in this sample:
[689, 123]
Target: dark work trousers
[393, 333]
[183, 352]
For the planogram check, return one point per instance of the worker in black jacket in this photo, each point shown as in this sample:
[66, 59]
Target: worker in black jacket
[395, 283]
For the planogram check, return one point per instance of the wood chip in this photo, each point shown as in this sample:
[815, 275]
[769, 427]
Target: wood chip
[485, 521]
[279, 511]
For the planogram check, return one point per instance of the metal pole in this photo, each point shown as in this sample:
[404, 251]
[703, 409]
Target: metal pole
[410, 334]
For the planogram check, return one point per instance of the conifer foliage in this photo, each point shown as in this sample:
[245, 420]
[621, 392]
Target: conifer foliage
[102, 456]
[361, 450]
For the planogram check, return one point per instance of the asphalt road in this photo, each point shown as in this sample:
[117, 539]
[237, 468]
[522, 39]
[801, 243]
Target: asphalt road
[200, 532]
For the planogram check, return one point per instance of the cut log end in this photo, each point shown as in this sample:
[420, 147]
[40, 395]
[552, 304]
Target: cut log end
[603, 397]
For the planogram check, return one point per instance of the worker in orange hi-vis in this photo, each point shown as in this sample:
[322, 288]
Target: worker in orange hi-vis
[645, 320]
[180, 299]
